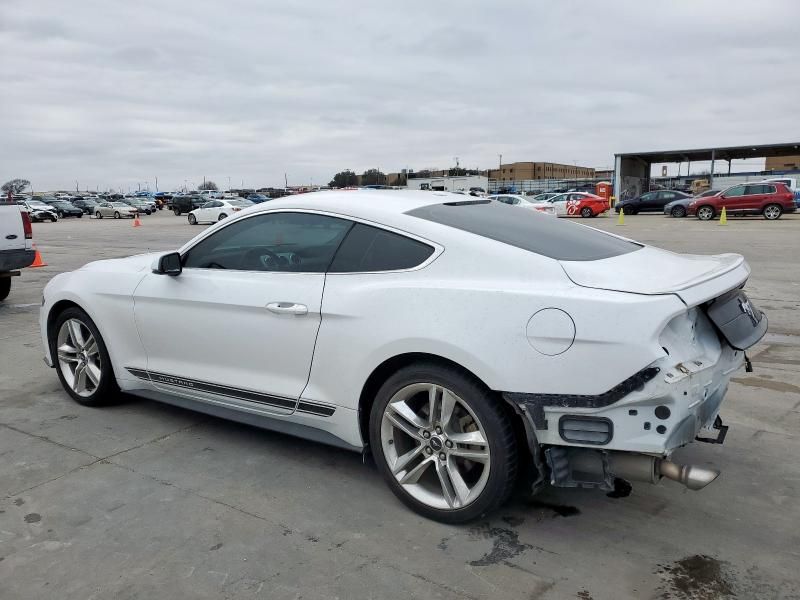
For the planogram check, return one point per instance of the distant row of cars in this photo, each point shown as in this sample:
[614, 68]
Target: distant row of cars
[570, 204]
[770, 198]
[51, 208]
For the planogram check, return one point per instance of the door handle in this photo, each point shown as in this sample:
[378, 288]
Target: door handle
[287, 308]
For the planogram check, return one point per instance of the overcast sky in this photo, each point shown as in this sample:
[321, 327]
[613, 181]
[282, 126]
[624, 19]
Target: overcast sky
[113, 93]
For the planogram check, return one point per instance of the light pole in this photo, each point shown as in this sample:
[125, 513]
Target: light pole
[229, 183]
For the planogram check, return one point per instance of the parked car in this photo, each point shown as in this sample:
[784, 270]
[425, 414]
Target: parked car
[143, 208]
[87, 205]
[677, 208]
[377, 336]
[578, 204]
[186, 203]
[38, 211]
[63, 208]
[162, 199]
[522, 202]
[118, 210]
[216, 210]
[768, 199]
[257, 198]
[16, 244]
[540, 197]
[649, 202]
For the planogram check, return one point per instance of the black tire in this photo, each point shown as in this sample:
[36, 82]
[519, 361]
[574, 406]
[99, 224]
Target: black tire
[147, 212]
[117, 215]
[177, 212]
[586, 212]
[107, 391]
[678, 212]
[80, 216]
[629, 210]
[496, 424]
[706, 212]
[60, 214]
[192, 219]
[53, 219]
[98, 215]
[222, 216]
[5, 287]
[772, 212]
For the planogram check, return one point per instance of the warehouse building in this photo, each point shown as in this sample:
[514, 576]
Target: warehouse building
[524, 171]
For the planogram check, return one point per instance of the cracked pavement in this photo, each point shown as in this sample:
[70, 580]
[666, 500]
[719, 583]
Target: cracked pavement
[143, 500]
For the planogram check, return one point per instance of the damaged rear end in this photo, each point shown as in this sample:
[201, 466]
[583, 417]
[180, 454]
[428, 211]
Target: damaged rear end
[630, 431]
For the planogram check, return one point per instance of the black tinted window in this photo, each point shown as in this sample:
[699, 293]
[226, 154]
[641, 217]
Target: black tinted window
[528, 230]
[296, 242]
[368, 249]
[735, 191]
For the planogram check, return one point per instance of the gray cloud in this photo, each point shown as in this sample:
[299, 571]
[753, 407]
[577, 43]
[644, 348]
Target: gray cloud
[113, 94]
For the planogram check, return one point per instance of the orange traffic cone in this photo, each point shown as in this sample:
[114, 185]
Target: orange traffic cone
[136, 221]
[37, 259]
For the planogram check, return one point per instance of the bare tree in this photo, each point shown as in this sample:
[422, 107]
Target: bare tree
[208, 185]
[15, 186]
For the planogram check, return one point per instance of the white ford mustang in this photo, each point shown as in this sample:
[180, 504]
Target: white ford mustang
[447, 335]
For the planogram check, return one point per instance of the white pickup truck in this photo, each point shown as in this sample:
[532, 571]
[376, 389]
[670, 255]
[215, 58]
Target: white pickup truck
[16, 244]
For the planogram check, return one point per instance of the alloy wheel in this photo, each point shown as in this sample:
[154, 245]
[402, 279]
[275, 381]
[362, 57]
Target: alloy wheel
[771, 212]
[435, 446]
[705, 213]
[79, 357]
[678, 212]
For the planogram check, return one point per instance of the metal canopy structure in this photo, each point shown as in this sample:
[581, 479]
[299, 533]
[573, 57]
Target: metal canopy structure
[632, 169]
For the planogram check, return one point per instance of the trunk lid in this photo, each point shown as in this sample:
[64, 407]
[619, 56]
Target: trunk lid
[692, 277]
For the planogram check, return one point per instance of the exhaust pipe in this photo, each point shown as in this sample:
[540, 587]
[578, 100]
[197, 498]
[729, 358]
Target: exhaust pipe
[639, 467]
[692, 476]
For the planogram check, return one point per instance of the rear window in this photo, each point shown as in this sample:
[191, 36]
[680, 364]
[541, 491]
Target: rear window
[528, 230]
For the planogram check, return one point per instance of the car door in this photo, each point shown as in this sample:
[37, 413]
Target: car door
[734, 199]
[204, 212]
[237, 327]
[754, 196]
[105, 210]
[560, 204]
[648, 202]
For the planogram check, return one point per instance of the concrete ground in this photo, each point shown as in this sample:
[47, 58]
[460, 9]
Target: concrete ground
[143, 500]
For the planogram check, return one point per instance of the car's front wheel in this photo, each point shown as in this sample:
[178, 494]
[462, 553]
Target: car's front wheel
[772, 211]
[222, 216]
[81, 359]
[80, 216]
[117, 215]
[443, 442]
[706, 213]
[98, 215]
[678, 211]
[192, 219]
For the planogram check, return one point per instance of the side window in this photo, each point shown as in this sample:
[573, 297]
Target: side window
[285, 242]
[367, 249]
[735, 191]
[769, 189]
[648, 197]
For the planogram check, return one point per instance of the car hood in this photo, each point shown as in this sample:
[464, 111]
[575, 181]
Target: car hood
[130, 264]
[693, 278]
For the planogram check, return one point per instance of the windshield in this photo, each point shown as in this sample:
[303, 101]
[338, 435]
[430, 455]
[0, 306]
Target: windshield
[119, 205]
[527, 230]
[38, 204]
[240, 203]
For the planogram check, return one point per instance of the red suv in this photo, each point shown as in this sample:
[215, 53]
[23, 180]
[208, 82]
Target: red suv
[770, 199]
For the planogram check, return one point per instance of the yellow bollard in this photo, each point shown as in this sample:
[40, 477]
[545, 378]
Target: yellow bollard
[723, 217]
[621, 216]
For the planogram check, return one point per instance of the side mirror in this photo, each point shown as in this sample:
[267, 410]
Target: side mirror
[168, 264]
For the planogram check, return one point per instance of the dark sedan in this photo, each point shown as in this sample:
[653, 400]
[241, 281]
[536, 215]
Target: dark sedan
[87, 205]
[62, 208]
[257, 198]
[649, 202]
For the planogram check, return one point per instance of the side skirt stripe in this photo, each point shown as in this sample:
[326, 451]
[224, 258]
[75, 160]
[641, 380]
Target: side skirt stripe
[304, 406]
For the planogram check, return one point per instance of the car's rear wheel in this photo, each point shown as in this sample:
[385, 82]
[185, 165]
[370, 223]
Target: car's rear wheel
[117, 215]
[678, 211]
[443, 442]
[772, 211]
[222, 216]
[706, 213]
[586, 212]
[177, 212]
[5, 287]
[192, 219]
[80, 216]
[81, 359]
